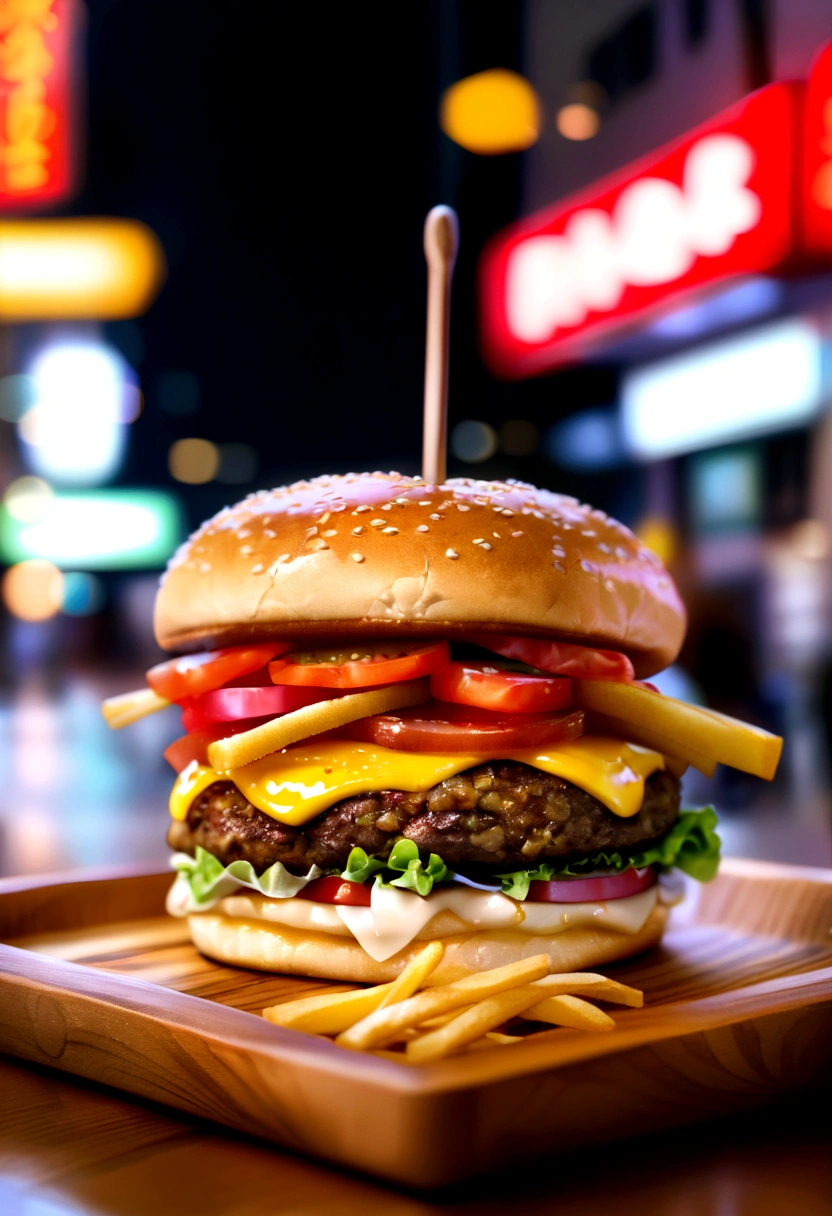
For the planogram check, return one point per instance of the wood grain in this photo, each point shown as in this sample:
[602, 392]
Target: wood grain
[95, 980]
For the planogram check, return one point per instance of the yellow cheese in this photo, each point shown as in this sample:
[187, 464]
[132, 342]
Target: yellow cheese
[298, 783]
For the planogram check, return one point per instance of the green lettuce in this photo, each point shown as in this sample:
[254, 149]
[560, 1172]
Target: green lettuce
[692, 845]
[404, 861]
[209, 880]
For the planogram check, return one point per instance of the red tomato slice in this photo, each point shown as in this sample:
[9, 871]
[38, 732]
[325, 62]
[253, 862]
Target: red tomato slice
[491, 688]
[441, 727]
[599, 889]
[228, 704]
[560, 658]
[361, 665]
[193, 674]
[182, 752]
[335, 890]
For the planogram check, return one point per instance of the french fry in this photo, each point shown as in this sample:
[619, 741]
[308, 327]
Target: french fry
[587, 983]
[494, 1036]
[414, 975]
[253, 744]
[472, 1025]
[648, 736]
[714, 735]
[329, 1013]
[570, 1011]
[128, 707]
[382, 1026]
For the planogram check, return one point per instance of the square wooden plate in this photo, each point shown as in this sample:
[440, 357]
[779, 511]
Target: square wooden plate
[96, 980]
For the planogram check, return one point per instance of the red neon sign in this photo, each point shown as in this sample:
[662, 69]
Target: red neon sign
[36, 101]
[714, 205]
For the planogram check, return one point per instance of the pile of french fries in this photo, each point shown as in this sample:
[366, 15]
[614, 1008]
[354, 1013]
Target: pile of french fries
[405, 1021]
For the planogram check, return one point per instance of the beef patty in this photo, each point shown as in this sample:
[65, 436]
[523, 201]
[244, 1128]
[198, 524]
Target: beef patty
[501, 815]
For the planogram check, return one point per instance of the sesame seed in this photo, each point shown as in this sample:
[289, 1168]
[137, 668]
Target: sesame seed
[587, 532]
[461, 506]
[243, 533]
[204, 567]
[609, 584]
[268, 532]
[357, 557]
[330, 532]
[604, 548]
[284, 557]
[425, 502]
[451, 553]
[435, 517]
[389, 531]
[318, 545]
[621, 552]
[423, 528]
[559, 566]
[401, 501]
[387, 506]
[357, 531]
[258, 569]
[497, 534]
[324, 517]
[485, 545]
[245, 550]
[310, 532]
[517, 534]
[479, 540]
[507, 513]
[355, 656]
[358, 510]
[558, 551]
[377, 523]
[587, 567]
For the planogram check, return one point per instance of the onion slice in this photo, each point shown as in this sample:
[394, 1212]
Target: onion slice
[314, 720]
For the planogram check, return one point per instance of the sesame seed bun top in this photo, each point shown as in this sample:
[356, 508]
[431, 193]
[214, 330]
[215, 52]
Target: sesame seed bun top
[380, 554]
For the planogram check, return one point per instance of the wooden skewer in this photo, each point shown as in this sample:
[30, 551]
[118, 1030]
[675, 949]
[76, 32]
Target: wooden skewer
[441, 243]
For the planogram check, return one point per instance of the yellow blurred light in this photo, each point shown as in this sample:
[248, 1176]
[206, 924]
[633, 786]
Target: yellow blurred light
[492, 112]
[660, 536]
[33, 590]
[29, 499]
[194, 461]
[577, 121]
[98, 268]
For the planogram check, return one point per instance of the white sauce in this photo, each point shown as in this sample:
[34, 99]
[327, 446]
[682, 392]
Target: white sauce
[396, 917]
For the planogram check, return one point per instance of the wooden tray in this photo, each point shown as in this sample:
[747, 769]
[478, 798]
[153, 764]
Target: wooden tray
[97, 981]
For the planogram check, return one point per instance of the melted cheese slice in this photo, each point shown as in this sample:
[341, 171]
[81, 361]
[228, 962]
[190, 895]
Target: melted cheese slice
[298, 783]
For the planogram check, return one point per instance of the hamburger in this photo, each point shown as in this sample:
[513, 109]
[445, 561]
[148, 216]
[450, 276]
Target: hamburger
[418, 711]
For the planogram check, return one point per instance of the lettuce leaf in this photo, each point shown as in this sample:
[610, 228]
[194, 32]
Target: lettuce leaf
[360, 866]
[692, 845]
[414, 874]
[208, 880]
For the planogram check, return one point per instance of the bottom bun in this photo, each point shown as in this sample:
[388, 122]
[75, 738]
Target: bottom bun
[270, 947]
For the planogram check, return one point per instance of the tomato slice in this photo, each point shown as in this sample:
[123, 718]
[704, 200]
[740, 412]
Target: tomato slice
[193, 674]
[229, 704]
[334, 890]
[442, 727]
[361, 665]
[600, 887]
[559, 658]
[194, 746]
[489, 687]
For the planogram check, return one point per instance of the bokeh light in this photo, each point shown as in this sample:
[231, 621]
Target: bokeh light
[193, 461]
[491, 112]
[28, 499]
[473, 441]
[83, 594]
[17, 395]
[519, 437]
[63, 268]
[811, 540]
[33, 590]
[74, 434]
[577, 121]
[660, 536]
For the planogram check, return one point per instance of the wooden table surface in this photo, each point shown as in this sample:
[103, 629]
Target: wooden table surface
[68, 1146]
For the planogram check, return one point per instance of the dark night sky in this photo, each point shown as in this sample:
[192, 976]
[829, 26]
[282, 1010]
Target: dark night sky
[286, 155]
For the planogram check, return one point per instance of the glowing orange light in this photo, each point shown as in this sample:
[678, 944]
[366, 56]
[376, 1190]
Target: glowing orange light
[492, 112]
[96, 268]
[577, 121]
[36, 100]
[33, 590]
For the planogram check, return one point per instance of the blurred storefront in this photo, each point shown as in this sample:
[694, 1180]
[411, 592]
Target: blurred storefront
[677, 232]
